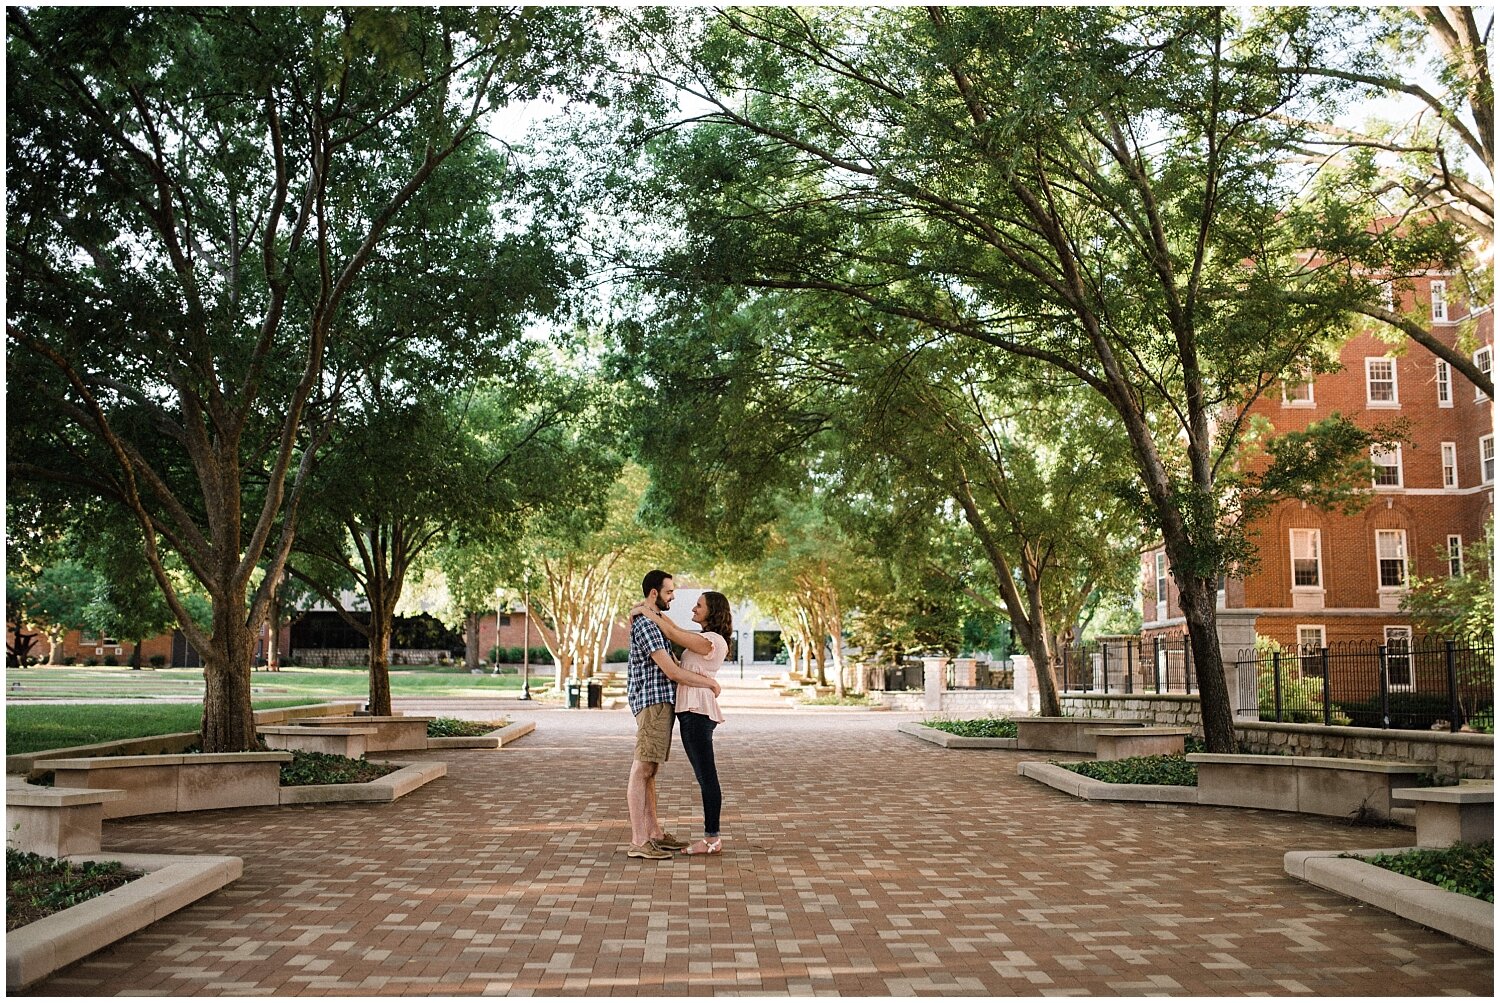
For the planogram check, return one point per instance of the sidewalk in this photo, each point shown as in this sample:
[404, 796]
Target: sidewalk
[858, 861]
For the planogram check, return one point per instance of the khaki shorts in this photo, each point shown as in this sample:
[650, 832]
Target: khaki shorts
[653, 733]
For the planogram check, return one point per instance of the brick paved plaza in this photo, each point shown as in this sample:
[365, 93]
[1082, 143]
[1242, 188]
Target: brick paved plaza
[858, 861]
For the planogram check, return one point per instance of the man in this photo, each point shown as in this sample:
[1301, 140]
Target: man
[651, 689]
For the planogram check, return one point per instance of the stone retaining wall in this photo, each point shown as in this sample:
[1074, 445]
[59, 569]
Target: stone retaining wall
[987, 702]
[320, 657]
[1464, 754]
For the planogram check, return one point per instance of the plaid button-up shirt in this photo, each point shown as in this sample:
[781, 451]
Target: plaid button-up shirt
[645, 683]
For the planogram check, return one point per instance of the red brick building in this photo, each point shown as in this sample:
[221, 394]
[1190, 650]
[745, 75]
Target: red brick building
[1325, 577]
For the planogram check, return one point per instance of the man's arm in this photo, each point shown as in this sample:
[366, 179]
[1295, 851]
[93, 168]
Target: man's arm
[683, 677]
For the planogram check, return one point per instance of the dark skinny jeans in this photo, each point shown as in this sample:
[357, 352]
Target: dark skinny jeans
[697, 732]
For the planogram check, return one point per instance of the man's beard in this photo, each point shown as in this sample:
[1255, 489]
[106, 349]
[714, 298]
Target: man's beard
[663, 606]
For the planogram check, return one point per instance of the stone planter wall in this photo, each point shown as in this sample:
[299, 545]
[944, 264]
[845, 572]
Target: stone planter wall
[193, 782]
[1463, 754]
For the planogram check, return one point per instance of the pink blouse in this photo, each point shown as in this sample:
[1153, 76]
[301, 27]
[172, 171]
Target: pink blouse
[700, 699]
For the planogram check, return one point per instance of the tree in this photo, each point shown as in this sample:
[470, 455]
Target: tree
[185, 227]
[1460, 606]
[1096, 190]
[53, 600]
[1402, 196]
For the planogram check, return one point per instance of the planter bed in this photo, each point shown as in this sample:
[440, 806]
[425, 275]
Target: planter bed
[1089, 789]
[1465, 918]
[493, 740]
[349, 742]
[1064, 734]
[54, 821]
[1315, 785]
[393, 733]
[950, 741]
[1448, 815]
[388, 788]
[171, 882]
[192, 782]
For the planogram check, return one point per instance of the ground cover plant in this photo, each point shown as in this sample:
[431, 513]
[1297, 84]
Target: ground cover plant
[326, 768]
[1465, 868]
[1174, 771]
[984, 727]
[34, 727]
[452, 727]
[38, 886]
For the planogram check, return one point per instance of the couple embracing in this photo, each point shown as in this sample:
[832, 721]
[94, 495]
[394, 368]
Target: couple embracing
[660, 690]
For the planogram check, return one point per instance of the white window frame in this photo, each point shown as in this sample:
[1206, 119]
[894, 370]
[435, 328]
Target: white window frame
[1308, 656]
[1370, 400]
[1161, 585]
[1410, 681]
[1487, 459]
[1439, 291]
[1483, 361]
[1449, 453]
[1400, 537]
[1376, 451]
[1307, 401]
[1316, 536]
[1444, 384]
[1455, 555]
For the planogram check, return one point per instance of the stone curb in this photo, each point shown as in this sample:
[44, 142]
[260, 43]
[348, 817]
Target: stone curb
[1097, 790]
[387, 788]
[1464, 918]
[947, 741]
[489, 740]
[171, 882]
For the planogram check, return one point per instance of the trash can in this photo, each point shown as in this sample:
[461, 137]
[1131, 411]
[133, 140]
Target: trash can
[574, 693]
[596, 694]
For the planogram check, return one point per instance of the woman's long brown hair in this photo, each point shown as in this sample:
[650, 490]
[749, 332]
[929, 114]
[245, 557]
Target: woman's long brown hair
[719, 619]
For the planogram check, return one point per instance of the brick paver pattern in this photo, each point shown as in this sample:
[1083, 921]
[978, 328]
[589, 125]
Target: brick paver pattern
[858, 861]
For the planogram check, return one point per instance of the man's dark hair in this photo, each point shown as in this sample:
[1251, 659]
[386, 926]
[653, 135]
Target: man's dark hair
[653, 581]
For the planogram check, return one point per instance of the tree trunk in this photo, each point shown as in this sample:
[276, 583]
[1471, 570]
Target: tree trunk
[228, 720]
[1198, 597]
[54, 653]
[135, 656]
[380, 657]
[471, 640]
[273, 649]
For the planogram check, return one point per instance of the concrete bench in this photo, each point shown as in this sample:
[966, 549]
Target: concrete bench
[1315, 785]
[1126, 743]
[1063, 734]
[351, 742]
[191, 782]
[54, 821]
[1448, 815]
[394, 733]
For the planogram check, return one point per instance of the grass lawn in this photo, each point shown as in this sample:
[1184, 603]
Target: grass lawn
[59, 726]
[99, 681]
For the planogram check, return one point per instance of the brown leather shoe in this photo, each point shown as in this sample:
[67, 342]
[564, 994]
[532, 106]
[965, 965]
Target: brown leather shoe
[667, 841]
[648, 851]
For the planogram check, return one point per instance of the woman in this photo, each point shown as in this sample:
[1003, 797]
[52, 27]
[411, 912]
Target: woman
[697, 709]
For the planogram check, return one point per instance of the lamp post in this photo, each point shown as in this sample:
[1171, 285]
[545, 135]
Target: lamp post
[525, 643]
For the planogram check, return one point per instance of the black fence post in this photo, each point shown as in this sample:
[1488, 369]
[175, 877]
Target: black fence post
[1385, 689]
[1129, 668]
[1327, 698]
[1276, 681]
[1156, 663]
[1104, 651]
[1452, 665]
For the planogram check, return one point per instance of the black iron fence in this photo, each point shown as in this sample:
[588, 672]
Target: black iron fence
[983, 675]
[1426, 683]
[1162, 664]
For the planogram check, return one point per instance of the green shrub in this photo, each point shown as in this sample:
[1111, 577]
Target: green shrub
[1465, 868]
[1174, 771]
[326, 768]
[452, 727]
[1301, 696]
[983, 727]
[512, 656]
[37, 886]
[618, 655]
[158, 661]
[1418, 710]
[847, 700]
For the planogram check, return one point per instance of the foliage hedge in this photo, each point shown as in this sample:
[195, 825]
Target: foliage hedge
[326, 768]
[1465, 868]
[512, 656]
[982, 727]
[848, 700]
[1174, 771]
[452, 727]
[38, 886]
